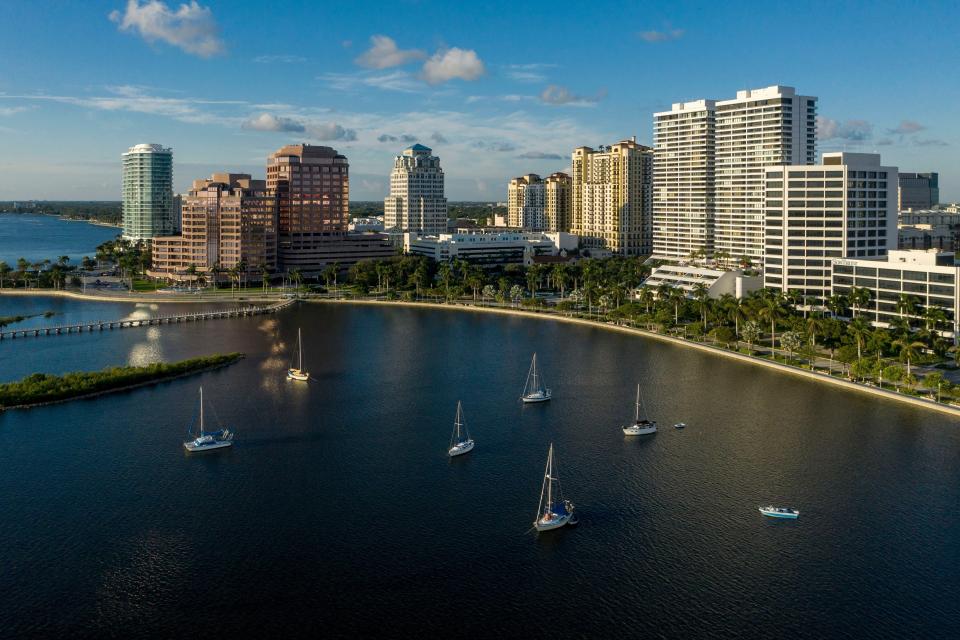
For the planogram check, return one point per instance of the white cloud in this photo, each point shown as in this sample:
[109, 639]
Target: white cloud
[9, 111]
[556, 95]
[281, 59]
[330, 131]
[906, 128]
[661, 36]
[270, 122]
[853, 130]
[191, 27]
[453, 63]
[540, 155]
[393, 81]
[384, 53]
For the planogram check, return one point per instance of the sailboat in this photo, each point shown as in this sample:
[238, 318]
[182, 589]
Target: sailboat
[206, 441]
[460, 441]
[298, 373]
[554, 511]
[640, 427]
[534, 390]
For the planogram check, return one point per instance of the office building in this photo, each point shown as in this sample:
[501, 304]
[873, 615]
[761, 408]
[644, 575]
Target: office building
[923, 279]
[929, 229]
[148, 203]
[710, 171]
[612, 198]
[228, 220]
[919, 191]
[844, 207]
[489, 249]
[416, 202]
[312, 185]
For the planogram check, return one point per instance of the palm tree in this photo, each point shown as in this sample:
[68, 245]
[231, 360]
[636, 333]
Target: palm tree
[907, 306]
[4, 272]
[444, 272]
[836, 304]
[646, 297]
[264, 275]
[859, 330]
[702, 294]
[771, 311]
[812, 324]
[859, 296]
[561, 276]
[909, 350]
[296, 276]
[933, 317]
[675, 297]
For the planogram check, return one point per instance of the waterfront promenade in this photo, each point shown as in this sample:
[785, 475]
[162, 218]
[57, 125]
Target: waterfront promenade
[829, 372]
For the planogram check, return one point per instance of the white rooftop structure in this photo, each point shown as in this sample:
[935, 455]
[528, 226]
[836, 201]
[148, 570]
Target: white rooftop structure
[717, 281]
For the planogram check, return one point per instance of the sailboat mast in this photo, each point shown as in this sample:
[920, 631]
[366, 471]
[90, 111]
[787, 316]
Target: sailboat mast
[550, 478]
[536, 383]
[457, 421]
[201, 410]
[300, 349]
[637, 419]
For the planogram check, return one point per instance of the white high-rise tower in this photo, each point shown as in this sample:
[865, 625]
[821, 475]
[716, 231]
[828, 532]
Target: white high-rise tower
[147, 192]
[416, 202]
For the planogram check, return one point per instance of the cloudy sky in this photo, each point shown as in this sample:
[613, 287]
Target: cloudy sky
[495, 88]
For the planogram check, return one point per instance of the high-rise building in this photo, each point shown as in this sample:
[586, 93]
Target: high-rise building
[228, 220]
[312, 185]
[918, 191]
[416, 202]
[758, 128]
[710, 169]
[842, 208]
[557, 201]
[683, 179]
[525, 203]
[611, 198]
[148, 207]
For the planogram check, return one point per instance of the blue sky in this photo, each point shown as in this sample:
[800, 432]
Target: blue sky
[497, 89]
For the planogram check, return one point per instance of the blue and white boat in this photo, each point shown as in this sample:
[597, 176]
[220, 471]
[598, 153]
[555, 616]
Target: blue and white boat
[780, 512]
[554, 511]
[208, 440]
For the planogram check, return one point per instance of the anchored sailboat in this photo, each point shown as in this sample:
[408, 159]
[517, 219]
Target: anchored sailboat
[460, 441]
[640, 427]
[534, 389]
[206, 441]
[298, 373]
[554, 511]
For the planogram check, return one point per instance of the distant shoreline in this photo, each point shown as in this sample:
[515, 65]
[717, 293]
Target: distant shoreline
[93, 221]
[609, 326]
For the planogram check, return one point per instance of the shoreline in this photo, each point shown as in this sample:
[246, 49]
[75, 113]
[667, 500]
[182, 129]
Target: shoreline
[128, 387]
[777, 366]
[463, 306]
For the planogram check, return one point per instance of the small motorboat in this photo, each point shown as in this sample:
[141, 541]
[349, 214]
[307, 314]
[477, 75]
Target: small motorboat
[680, 425]
[780, 512]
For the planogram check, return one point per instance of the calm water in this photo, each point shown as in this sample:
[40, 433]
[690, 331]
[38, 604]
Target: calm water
[38, 238]
[338, 514]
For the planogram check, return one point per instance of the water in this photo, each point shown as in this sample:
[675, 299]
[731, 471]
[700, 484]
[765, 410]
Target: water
[338, 514]
[38, 237]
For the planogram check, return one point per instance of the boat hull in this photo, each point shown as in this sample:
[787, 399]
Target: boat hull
[536, 398]
[461, 449]
[638, 431]
[556, 523]
[198, 448]
[790, 515]
[296, 374]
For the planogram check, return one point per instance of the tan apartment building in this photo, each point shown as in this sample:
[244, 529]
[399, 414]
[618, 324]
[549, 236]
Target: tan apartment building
[612, 197]
[557, 201]
[227, 219]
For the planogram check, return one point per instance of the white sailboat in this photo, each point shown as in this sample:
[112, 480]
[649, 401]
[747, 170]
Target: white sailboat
[554, 511]
[460, 441]
[298, 373]
[639, 427]
[206, 441]
[534, 390]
